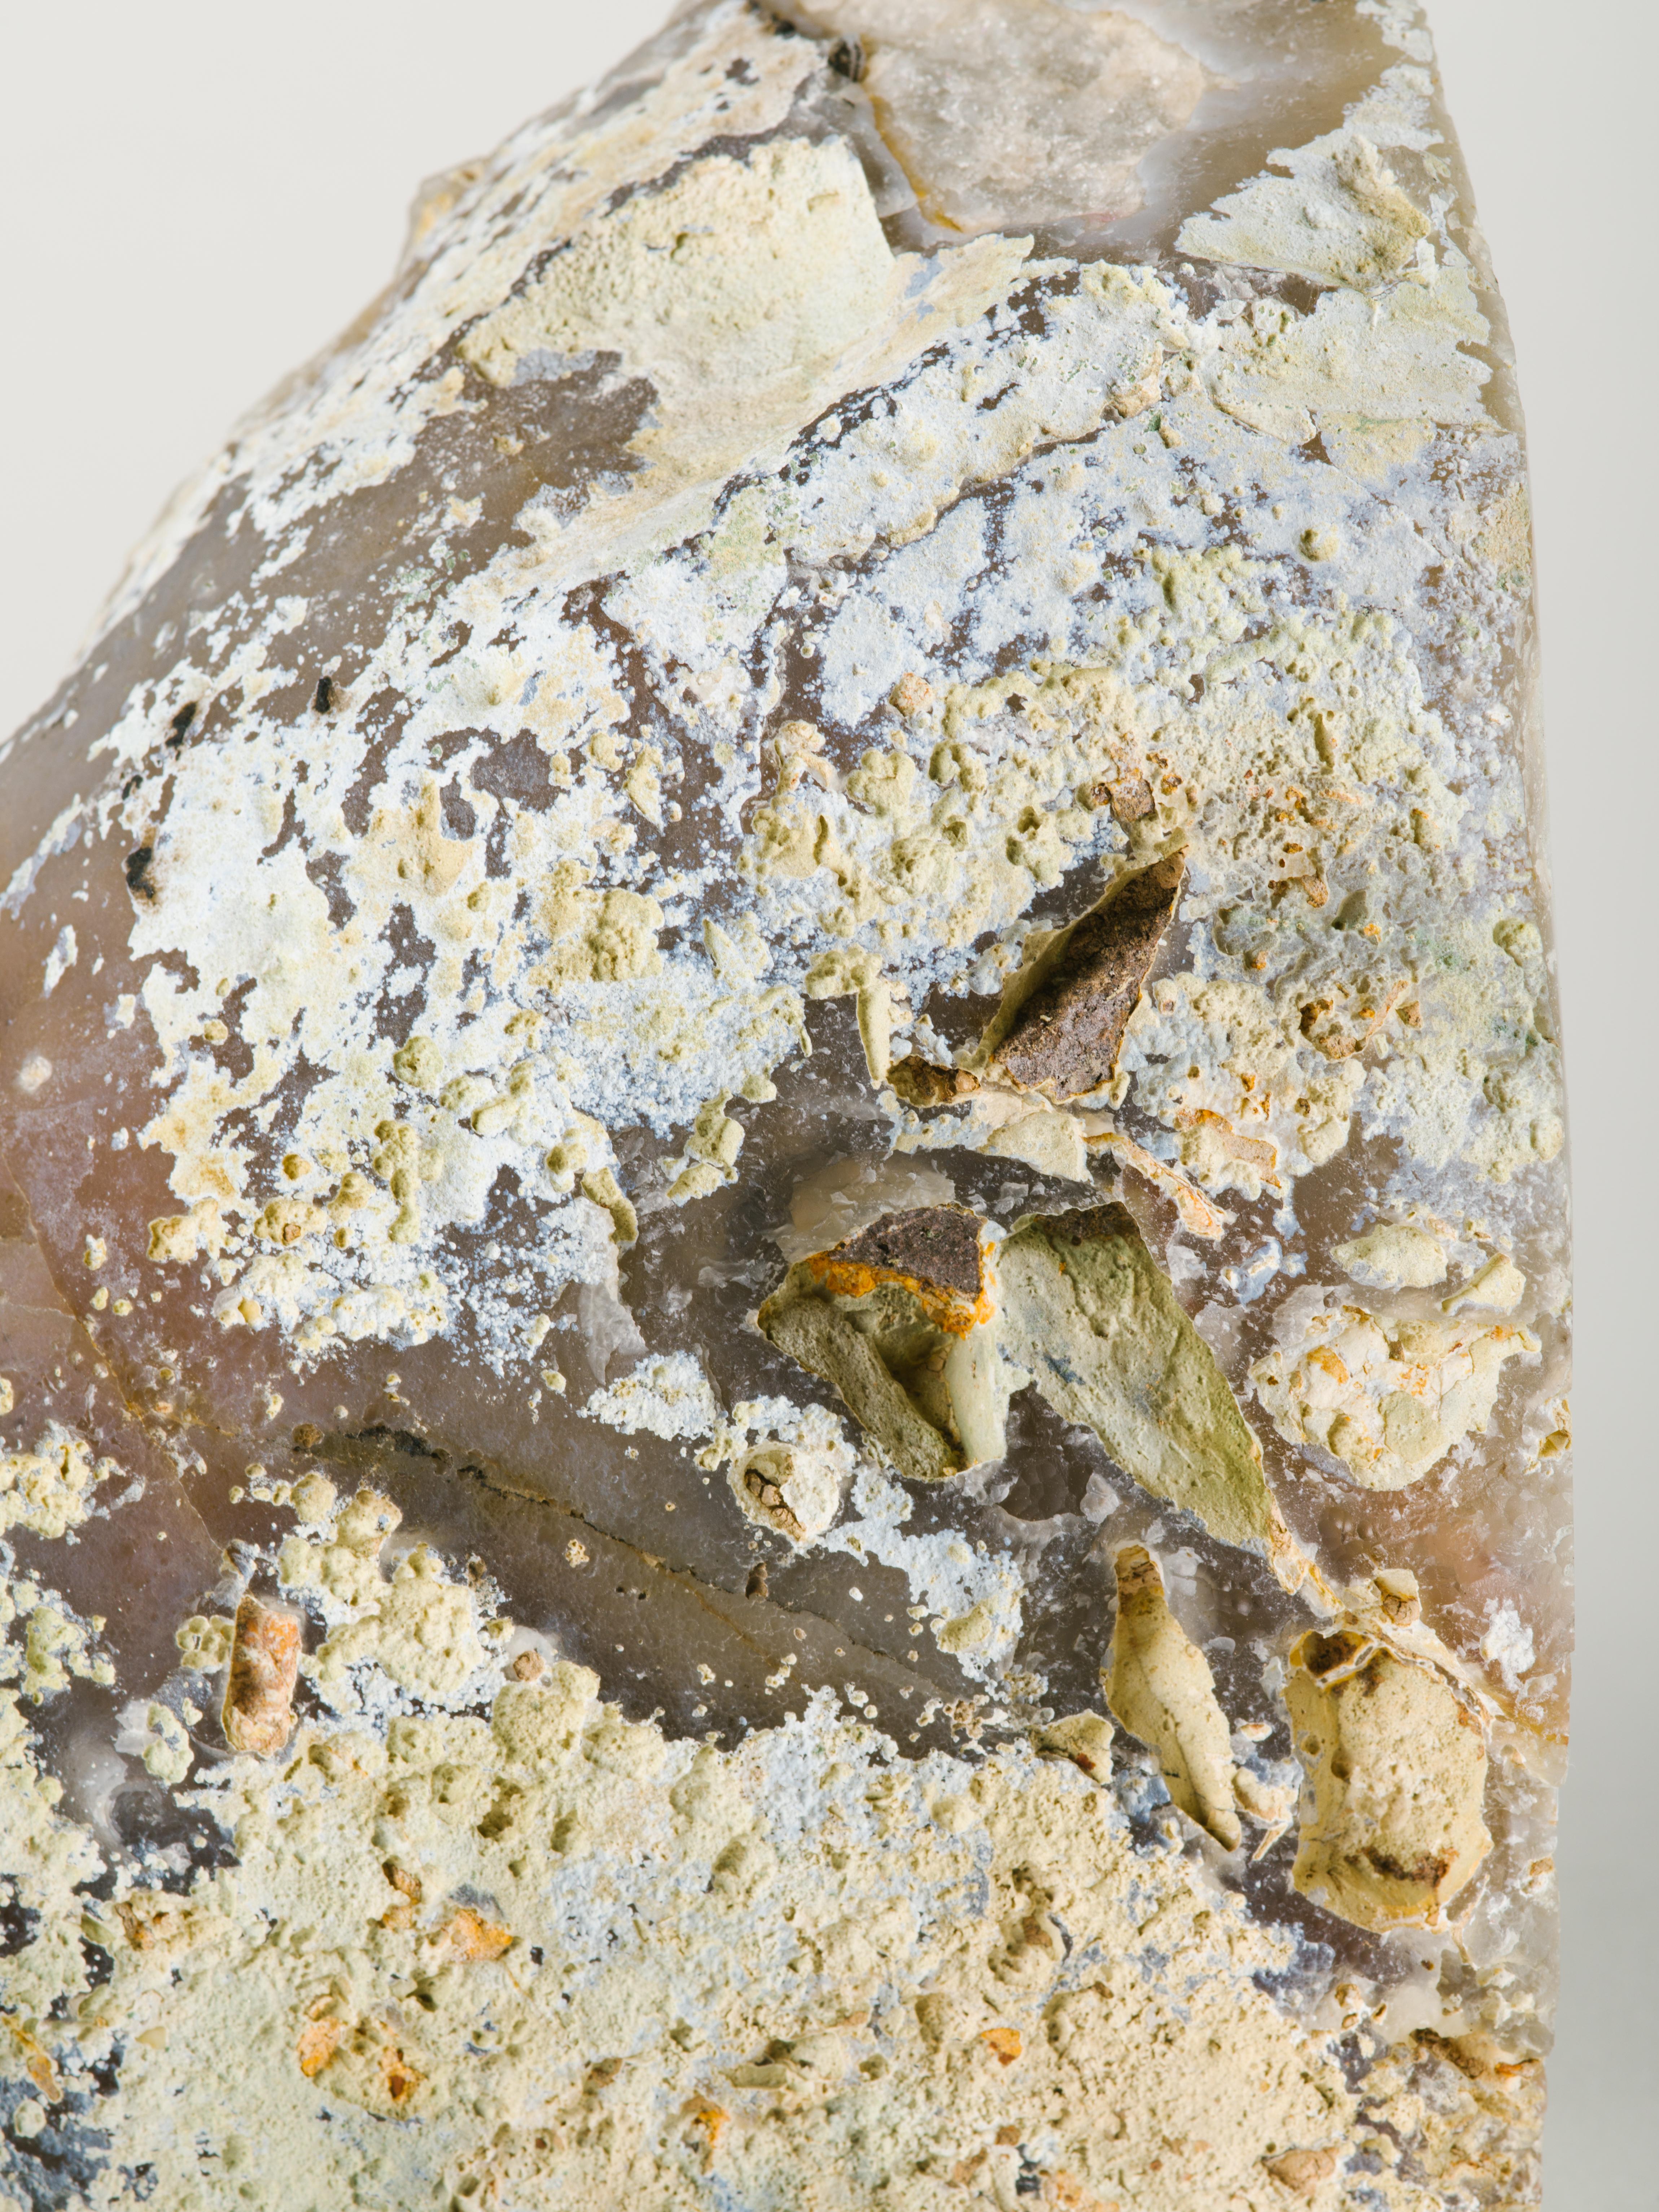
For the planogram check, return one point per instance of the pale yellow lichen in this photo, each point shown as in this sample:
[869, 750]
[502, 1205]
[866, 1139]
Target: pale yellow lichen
[751, 292]
[205, 1642]
[1394, 1255]
[57, 1644]
[1340, 216]
[444, 1854]
[1499, 1284]
[599, 937]
[420, 1630]
[793, 1488]
[771, 2007]
[49, 1491]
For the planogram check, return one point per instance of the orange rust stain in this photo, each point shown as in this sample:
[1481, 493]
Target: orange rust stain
[1004, 2041]
[407, 1885]
[946, 1309]
[705, 2120]
[402, 2080]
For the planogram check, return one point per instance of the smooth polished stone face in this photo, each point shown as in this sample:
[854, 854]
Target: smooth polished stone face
[784, 1228]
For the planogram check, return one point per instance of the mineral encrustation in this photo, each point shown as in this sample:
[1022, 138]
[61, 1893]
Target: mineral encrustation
[783, 1219]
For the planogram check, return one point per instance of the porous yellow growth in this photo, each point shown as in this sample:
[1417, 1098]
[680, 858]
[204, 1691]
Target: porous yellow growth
[49, 1491]
[1387, 1396]
[867, 1971]
[1397, 1762]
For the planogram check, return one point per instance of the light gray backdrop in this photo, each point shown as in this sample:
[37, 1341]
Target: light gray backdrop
[197, 195]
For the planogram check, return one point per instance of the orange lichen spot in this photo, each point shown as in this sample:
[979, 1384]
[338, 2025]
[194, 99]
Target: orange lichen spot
[265, 1663]
[407, 1886]
[703, 2123]
[319, 2041]
[151, 1922]
[468, 1936]
[948, 1308]
[366, 2063]
[1254, 1151]
[1006, 2042]
[401, 2079]
[1322, 1357]
[1343, 1022]
[37, 2063]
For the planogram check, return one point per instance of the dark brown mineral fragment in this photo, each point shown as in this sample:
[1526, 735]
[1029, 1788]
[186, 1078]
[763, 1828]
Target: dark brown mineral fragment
[264, 1663]
[1065, 1037]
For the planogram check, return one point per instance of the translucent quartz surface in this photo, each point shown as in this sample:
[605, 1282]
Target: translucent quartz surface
[690, 1503]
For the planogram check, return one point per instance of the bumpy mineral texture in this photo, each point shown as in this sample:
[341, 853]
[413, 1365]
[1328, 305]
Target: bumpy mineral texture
[782, 1231]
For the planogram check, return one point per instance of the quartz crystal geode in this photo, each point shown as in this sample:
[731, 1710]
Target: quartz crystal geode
[784, 1223]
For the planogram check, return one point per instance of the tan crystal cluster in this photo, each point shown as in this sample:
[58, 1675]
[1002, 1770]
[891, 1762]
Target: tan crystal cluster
[782, 1224]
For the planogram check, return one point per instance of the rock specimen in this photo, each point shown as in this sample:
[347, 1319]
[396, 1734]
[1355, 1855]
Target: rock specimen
[781, 1261]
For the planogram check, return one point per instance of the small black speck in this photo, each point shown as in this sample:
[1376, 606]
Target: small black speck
[138, 872]
[132, 784]
[181, 722]
[846, 59]
[17, 1925]
[324, 701]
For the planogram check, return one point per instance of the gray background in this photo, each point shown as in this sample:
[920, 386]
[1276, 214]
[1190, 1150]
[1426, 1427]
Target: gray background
[197, 196]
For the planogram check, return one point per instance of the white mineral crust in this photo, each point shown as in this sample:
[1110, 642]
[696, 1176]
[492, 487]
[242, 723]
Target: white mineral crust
[782, 1233]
